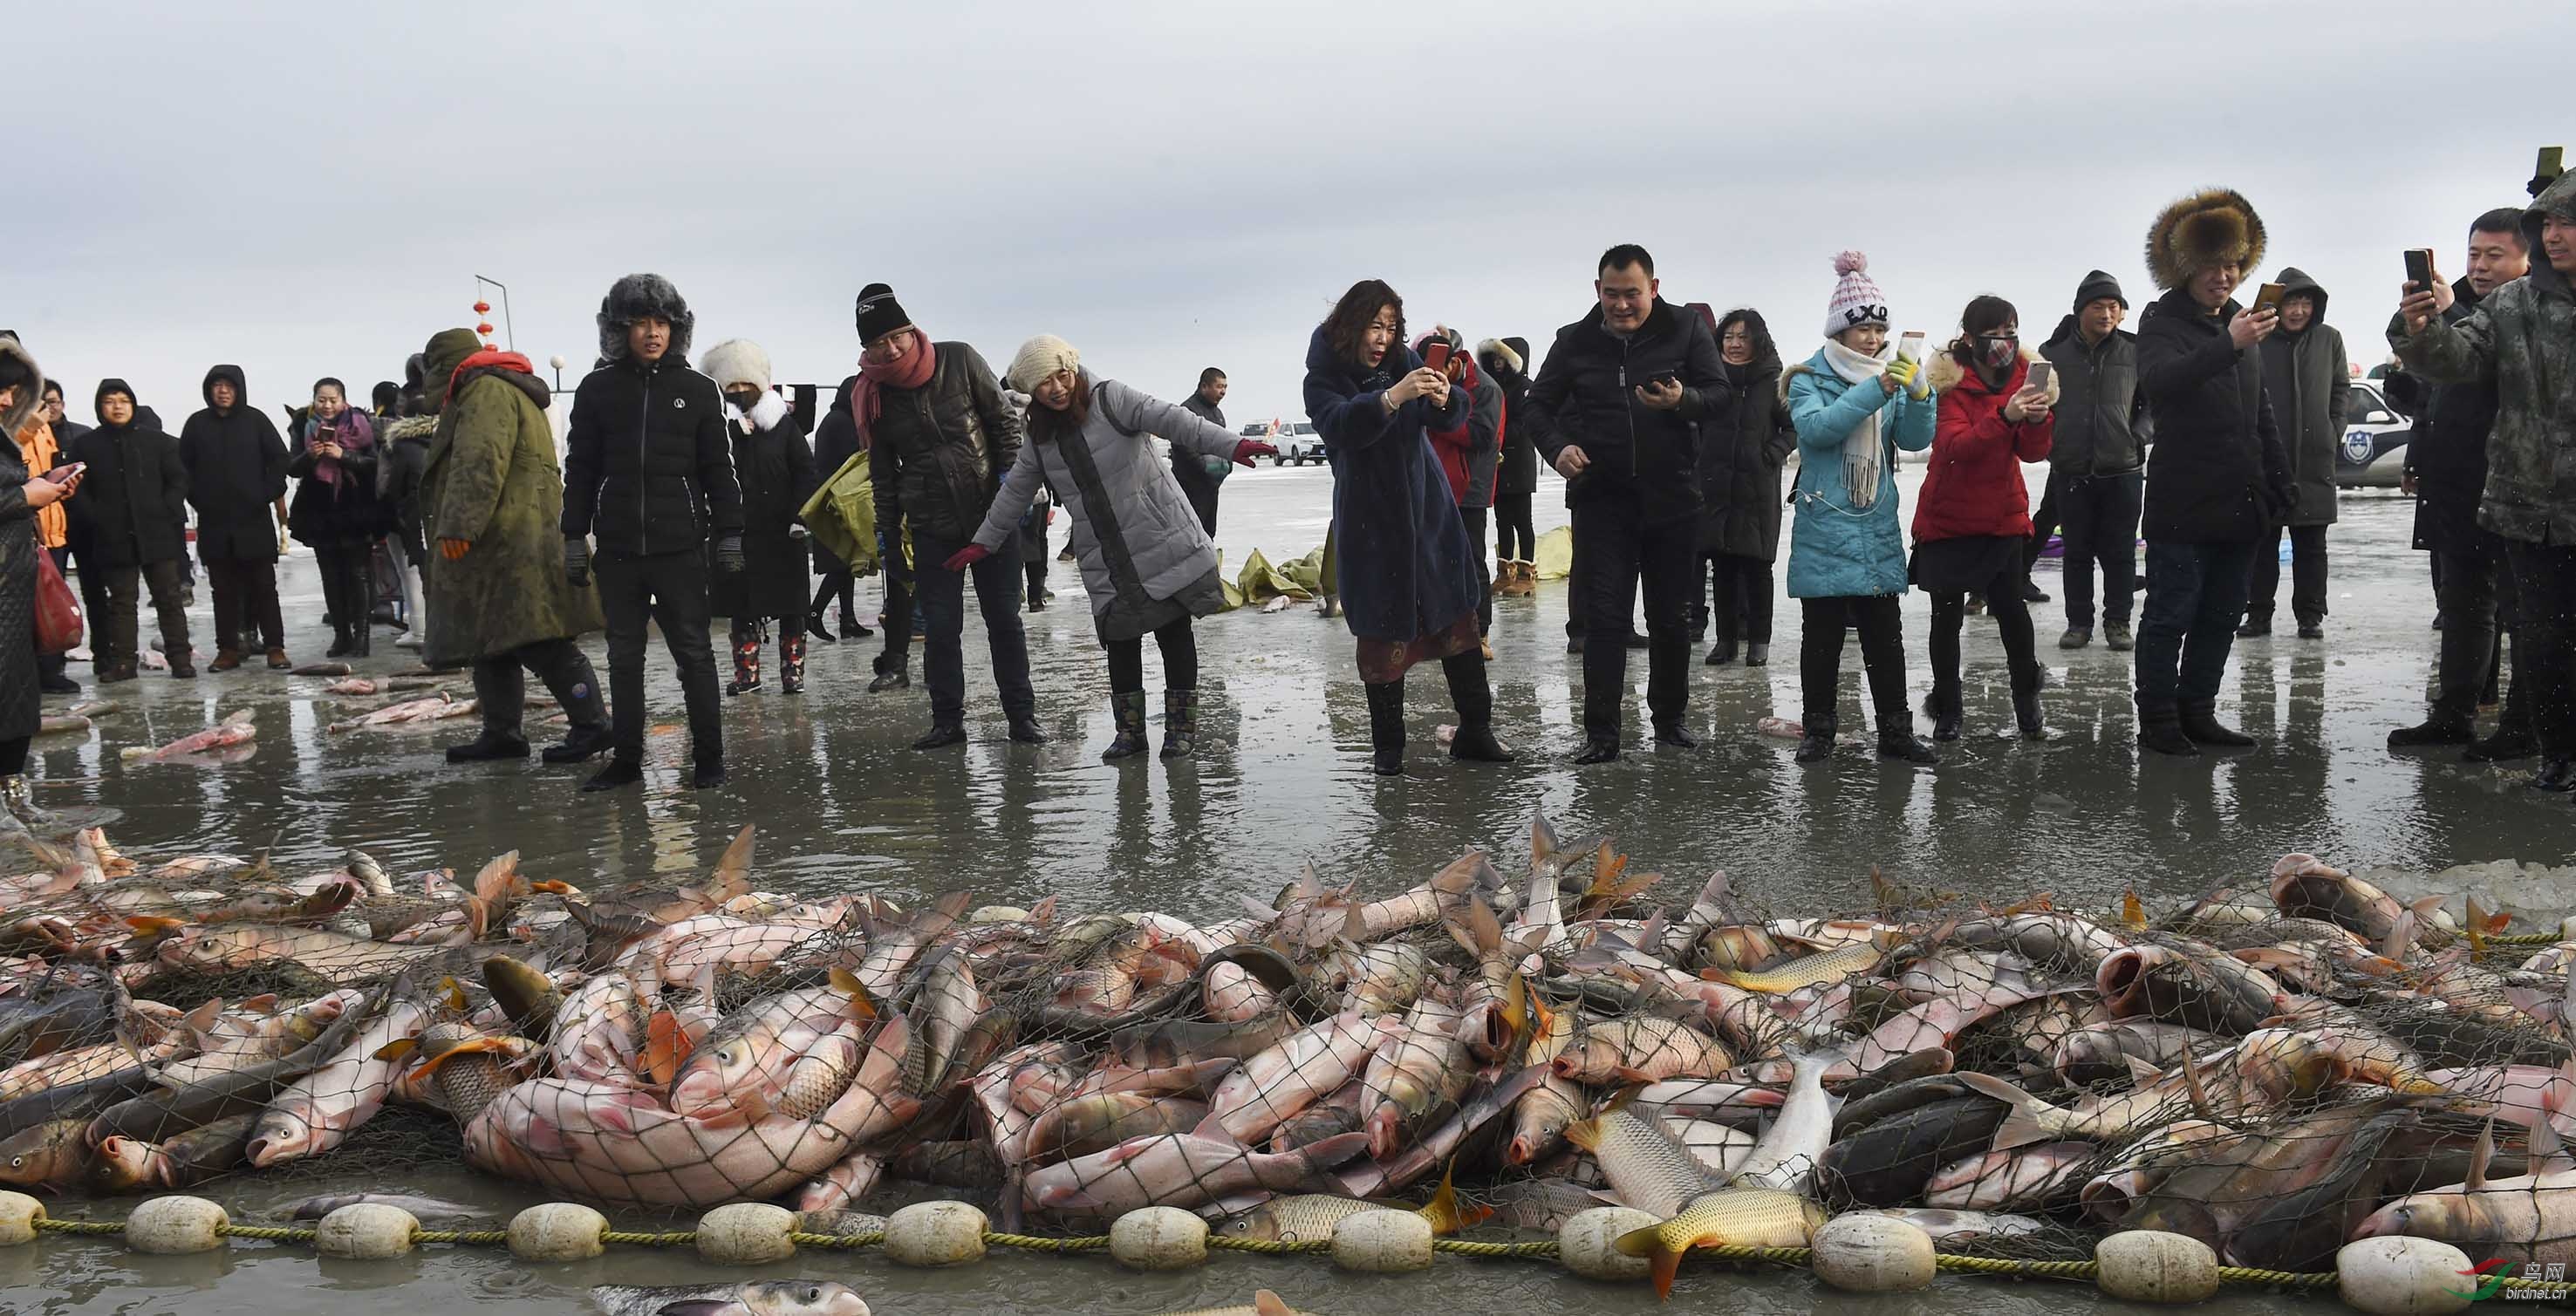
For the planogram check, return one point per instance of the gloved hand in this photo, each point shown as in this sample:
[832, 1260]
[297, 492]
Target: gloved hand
[729, 553]
[1248, 449]
[577, 561]
[796, 531]
[2285, 500]
[1902, 371]
[454, 549]
[967, 557]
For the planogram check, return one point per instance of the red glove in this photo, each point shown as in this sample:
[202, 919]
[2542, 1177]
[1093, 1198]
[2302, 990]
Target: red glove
[1248, 449]
[967, 557]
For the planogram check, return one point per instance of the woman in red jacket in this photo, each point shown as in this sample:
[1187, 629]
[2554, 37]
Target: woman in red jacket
[1974, 513]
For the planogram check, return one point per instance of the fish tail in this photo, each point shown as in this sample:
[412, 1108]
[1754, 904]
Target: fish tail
[1665, 1259]
[1446, 1213]
[2024, 1126]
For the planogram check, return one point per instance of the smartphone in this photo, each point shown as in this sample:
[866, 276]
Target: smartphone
[2419, 267]
[65, 473]
[2553, 162]
[2039, 374]
[2269, 298]
[1909, 345]
[1665, 375]
[1436, 355]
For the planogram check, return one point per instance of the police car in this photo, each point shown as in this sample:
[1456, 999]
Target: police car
[2372, 454]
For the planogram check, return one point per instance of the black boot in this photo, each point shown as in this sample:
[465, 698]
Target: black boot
[1818, 744]
[340, 644]
[1720, 654]
[814, 626]
[1942, 706]
[1026, 731]
[1672, 732]
[709, 774]
[791, 663]
[2432, 731]
[490, 747]
[1180, 723]
[619, 772]
[1896, 740]
[2557, 775]
[580, 744]
[1127, 709]
[1386, 728]
[2026, 713]
[2257, 625]
[1471, 692]
[942, 735]
[2160, 730]
[2199, 719]
[2506, 745]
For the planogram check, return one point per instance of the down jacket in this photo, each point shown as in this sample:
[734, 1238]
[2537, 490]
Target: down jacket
[776, 471]
[1835, 549]
[1974, 486]
[648, 467]
[2217, 473]
[1133, 529]
[1743, 445]
[236, 473]
[938, 451]
[2310, 384]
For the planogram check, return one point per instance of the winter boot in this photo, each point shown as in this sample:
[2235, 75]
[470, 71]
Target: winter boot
[225, 660]
[746, 661]
[340, 642]
[2507, 744]
[490, 747]
[1180, 723]
[942, 735]
[2026, 712]
[619, 772]
[2257, 625]
[279, 662]
[21, 804]
[1127, 709]
[1942, 706]
[2076, 637]
[1896, 740]
[1720, 654]
[2118, 638]
[2160, 730]
[791, 663]
[1757, 653]
[2200, 722]
[1818, 744]
[1386, 727]
[1026, 731]
[2432, 731]
[1471, 692]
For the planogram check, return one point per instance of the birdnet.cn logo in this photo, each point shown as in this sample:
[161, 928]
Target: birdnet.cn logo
[2490, 1276]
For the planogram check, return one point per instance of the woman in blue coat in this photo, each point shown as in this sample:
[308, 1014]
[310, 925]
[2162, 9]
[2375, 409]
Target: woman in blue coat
[1856, 403]
[1403, 570]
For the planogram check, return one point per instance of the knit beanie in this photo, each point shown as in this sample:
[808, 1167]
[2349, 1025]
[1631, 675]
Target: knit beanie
[879, 313]
[1857, 300]
[1038, 358]
[2096, 286]
[737, 361]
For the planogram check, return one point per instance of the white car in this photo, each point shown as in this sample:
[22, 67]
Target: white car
[1297, 442]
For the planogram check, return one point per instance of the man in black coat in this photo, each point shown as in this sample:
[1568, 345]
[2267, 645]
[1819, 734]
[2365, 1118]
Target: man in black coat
[2446, 458]
[129, 527]
[836, 441]
[1615, 410]
[2219, 477]
[2097, 462]
[236, 474]
[649, 469]
[1198, 483]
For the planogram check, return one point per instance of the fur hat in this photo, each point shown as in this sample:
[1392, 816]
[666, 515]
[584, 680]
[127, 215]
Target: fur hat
[18, 370]
[737, 361]
[2213, 226]
[1495, 349]
[1857, 299]
[636, 297]
[1038, 358]
[879, 313]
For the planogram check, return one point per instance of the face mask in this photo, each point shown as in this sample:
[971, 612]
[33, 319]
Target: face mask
[1996, 351]
[743, 401]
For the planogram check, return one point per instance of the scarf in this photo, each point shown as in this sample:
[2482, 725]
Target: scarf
[867, 401]
[481, 361]
[1863, 453]
[356, 434]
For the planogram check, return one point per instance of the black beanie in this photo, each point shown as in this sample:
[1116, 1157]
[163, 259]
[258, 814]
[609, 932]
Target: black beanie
[879, 313]
[2096, 286]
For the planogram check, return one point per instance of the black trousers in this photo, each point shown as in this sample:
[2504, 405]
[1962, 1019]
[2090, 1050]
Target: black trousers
[2307, 575]
[113, 636]
[943, 611]
[2099, 515]
[1950, 613]
[348, 582]
[669, 589]
[2544, 640]
[501, 688]
[13, 755]
[1739, 598]
[1180, 646]
[1616, 552]
[2472, 597]
[246, 603]
[1513, 540]
[2044, 522]
[1882, 655]
[1474, 519]
[838, 584]
[1202, 495]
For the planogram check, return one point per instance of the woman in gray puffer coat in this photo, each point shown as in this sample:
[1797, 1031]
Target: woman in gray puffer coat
[1146, 561]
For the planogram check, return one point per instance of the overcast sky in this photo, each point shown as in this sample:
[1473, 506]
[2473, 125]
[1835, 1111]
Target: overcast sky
[310, 189]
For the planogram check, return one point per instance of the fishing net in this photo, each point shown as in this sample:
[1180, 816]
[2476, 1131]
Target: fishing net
[1501, 1045]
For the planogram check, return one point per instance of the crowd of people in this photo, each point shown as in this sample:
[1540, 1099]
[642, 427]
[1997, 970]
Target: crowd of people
[690, 493]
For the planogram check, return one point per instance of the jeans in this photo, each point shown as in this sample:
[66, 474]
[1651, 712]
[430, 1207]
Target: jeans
[246, 601]
[1882, 654]
[1740, 590]
[1513, 541]
[115, 632]
[2544, 629]
[2473, 585]
[671, 590]
[1616, 552]
[2012, 615]
[501, 691]
[1474, 519]
[943, 611]
[2307, 576]
[2099, 519]
[1180, 646]
[2195, 593]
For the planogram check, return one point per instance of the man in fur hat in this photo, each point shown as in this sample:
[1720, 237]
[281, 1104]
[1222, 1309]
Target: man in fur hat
[2218, 477]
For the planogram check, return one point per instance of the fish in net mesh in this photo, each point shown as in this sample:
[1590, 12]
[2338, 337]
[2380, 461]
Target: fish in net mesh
[2276, 1068]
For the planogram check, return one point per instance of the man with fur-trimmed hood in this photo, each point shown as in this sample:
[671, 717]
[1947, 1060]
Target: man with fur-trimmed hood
[2218, 477]
[649, 471]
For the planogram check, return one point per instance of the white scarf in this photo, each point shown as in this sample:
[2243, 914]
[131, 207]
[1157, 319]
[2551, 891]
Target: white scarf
[1863, 455]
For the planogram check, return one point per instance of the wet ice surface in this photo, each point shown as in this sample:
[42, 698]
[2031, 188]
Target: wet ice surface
[1281, 781]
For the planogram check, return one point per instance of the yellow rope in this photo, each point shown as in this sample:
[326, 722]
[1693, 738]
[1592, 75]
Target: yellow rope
[649, 1240]
[266, 1233]
[1090, 1243]
[469, 1237]
[1470, 1248]
[2243, 1275]
[92, 1227]
[1268, 1246]
[869, 1238]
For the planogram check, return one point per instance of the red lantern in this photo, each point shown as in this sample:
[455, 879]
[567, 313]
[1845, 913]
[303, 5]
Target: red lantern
[483, 308]
[484, 328]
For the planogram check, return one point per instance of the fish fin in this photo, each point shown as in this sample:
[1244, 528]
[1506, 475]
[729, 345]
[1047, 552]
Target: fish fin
[554, 888]
[2133, 912]
[1543, 842]
[497, 877]
[1329, 1152]
[848, 984]
[1446, 1214]
[1666, 1260]
[1267, 1303]
[453, 993]
[666, 1044]
[397, 1048]
[1516, 999]
[1483, 926]
[2546, 1142]
[148, 925]
[733, 867]
[2141, 1073]
[2480, 1156]
[697, 1307]
[1542, 1019]
[2022, 1127]
[1884, 891]
[1650, 938]
[204, 1016]
[2191, 1084]
[1459, 878]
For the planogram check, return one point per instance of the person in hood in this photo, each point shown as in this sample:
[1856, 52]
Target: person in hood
[2446, 459]
[39, 448]
[2522, 339]
[1397, 557]
[22, 496]
[1973, 515]
[649, 471]
[939, 437]
[2310, 384]
[498, 596]
[1468, 454]
[776, 471]
[236, 476]
[1146, 559]
[2219, 476]
[131, 528]
[336, 512]
[1616, 407]
[1201, 476]
[1743, 446]
[1857, 403]
[1506, 362]
[836, 441]
[403, 441]
[2096, 466]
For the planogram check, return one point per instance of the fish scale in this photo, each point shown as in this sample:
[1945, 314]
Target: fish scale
[1649, 1168]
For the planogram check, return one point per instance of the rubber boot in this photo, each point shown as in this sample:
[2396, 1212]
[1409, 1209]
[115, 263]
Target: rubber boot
[1180, 723]
[1896, 740]
[791, 663]
[1471, 692]
[1386, 728]
[1127, 709]
[2160, 730]
[746, 661]
[1818, 744]
[2199, 720]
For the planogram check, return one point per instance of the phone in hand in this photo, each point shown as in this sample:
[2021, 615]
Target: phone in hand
[2419, 268]
[1909, 346]
[2269, 298]
[1665, 375]
[2040, 371]
[1435, 355]
[2553, 162]
[64, 474]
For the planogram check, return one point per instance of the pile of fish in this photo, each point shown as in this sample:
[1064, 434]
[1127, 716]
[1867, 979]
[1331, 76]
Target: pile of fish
[2275, 1069]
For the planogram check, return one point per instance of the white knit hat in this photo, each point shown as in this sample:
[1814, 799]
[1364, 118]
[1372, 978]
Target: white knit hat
[1857, 300]
[1038, 358]
[737, 361]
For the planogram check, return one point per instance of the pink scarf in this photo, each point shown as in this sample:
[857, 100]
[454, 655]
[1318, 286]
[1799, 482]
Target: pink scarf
[868, 400]
[355, 435]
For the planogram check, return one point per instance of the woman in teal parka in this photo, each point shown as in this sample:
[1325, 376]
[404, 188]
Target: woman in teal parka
[1856, 404]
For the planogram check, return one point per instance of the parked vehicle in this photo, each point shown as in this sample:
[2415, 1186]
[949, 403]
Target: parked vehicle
[2373, 452]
